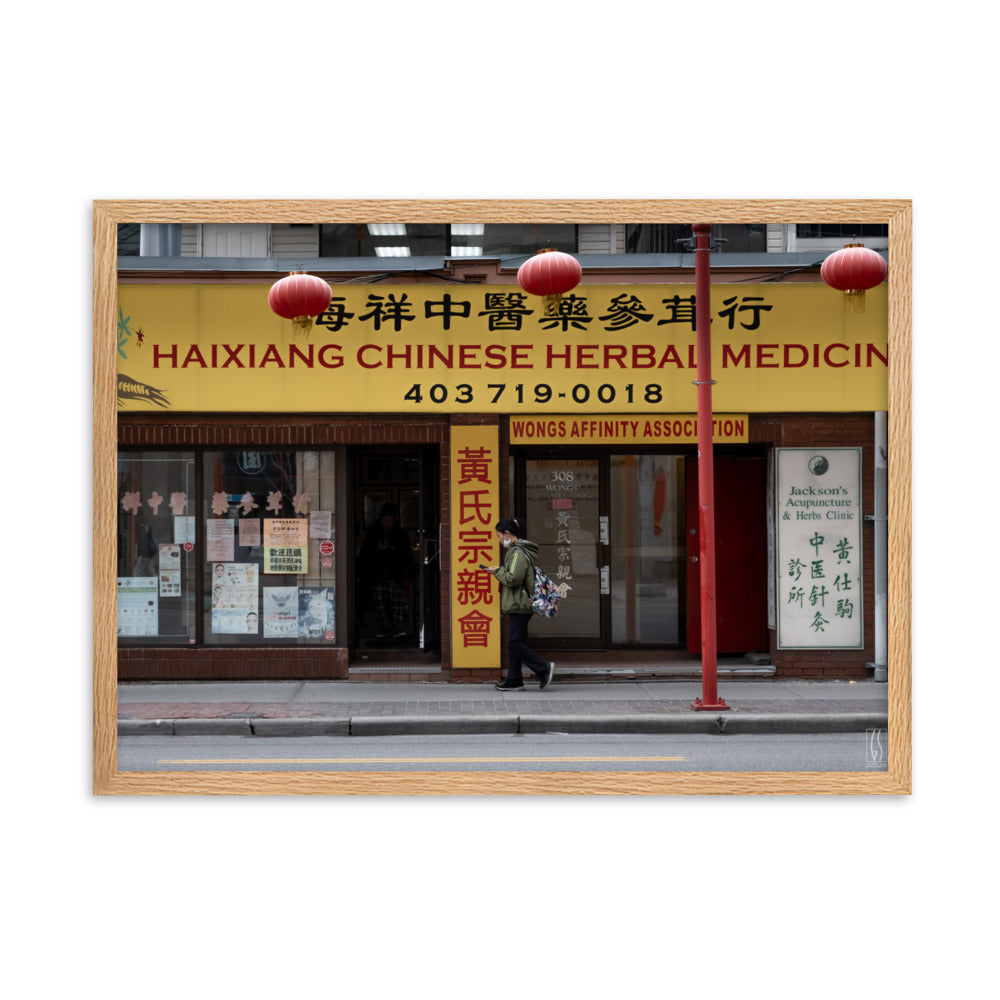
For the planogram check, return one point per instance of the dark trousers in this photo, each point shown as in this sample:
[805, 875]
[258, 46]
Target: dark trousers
[388, 600]
[519, 654]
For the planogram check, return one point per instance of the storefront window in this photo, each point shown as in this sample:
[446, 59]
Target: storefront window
[269, 554]
[156, 552]
[647, 550]
[248, 554]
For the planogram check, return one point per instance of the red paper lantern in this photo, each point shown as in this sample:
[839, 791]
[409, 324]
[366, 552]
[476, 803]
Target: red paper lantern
[300, 297]
[854, 269]
[550, 273]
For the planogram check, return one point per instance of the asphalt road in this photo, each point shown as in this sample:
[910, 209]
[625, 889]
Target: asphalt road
[531, 752]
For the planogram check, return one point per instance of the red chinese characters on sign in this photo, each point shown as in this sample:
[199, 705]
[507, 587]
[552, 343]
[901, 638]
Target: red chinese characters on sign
[475, 546]
[476, 512]
[474, 588]
[475, 629]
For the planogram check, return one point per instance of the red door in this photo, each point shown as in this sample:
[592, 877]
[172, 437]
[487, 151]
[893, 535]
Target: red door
[740, 554]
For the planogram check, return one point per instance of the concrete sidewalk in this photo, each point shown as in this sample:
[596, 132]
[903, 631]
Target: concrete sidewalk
[357, 708]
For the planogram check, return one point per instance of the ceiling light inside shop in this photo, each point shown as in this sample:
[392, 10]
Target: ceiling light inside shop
[387, 229]
[392, 251]
[466, 251]
[468, 229]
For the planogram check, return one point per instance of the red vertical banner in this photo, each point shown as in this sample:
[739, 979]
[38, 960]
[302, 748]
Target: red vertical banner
[475, 510]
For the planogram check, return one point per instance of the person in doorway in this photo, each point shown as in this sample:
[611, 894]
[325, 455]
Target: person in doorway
[386, 562]
[145, 551]
[517, 580]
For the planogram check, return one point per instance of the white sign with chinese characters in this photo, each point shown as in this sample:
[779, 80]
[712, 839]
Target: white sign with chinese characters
[819, 554]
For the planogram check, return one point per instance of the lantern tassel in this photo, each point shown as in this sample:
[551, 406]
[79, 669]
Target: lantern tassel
[854, 300]
[551, 305]
[303, 325]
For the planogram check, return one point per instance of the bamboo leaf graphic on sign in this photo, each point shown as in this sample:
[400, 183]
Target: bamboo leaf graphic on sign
[123, 332]
[129, 388]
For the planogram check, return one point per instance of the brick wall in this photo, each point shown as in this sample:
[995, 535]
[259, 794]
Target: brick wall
[243, 663]
[284, 431]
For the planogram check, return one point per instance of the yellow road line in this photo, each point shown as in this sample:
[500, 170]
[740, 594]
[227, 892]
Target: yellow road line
[426, 760]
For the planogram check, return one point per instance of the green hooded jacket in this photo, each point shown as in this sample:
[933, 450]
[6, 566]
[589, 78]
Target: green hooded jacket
[517, 577]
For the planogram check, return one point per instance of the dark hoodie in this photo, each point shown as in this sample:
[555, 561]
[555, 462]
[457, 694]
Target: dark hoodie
[517, 577]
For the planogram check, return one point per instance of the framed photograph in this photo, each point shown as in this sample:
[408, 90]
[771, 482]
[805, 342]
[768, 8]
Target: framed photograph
[571, 362]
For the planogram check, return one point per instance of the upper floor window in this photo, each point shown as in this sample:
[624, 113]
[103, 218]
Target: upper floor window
[149, 239]
[829, 230]
[649, 237]
[467, 239]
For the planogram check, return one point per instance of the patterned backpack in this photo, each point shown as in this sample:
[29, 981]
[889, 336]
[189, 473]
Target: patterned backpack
[545, 597]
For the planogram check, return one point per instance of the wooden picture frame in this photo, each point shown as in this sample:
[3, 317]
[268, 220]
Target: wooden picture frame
[108, 780]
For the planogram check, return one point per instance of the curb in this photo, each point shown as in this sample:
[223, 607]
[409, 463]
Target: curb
[212, 727]
[433, 725]
[699, 722]
[301, 727]
[709, 723]
[841, 722]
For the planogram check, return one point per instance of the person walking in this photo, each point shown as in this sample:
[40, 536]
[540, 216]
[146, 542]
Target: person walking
[517, 580]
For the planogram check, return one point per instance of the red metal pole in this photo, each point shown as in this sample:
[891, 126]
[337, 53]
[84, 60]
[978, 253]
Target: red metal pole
[710, 699]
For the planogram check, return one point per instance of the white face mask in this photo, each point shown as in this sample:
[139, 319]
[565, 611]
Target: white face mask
[505, 542]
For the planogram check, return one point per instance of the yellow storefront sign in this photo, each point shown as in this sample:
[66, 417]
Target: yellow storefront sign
[489, 349]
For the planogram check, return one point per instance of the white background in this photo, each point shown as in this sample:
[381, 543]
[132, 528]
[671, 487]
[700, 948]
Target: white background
[623, 897]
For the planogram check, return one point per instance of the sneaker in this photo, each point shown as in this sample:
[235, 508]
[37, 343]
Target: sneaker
[506, 685]
[547, 679]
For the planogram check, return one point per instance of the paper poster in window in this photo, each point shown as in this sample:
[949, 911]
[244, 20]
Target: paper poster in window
[281, 612]
[234, 599]
[138, 606]
[170, 571]
[286, 541]
[184, 529]
[219, 540]
[249, 529]
[320, 524]
[316, 613]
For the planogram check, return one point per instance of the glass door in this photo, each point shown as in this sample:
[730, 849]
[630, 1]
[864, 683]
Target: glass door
[611, 530]
[563, 513]
[648, 550]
